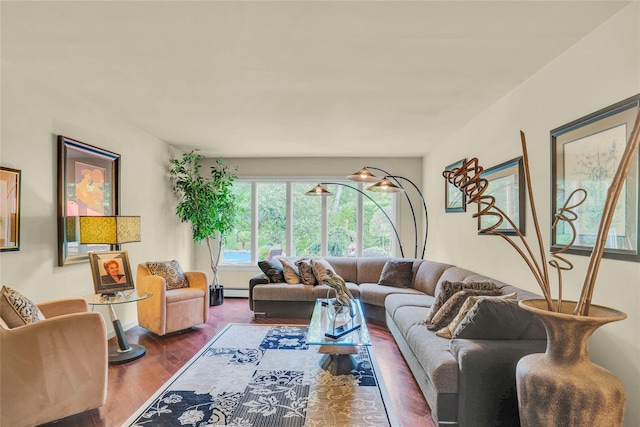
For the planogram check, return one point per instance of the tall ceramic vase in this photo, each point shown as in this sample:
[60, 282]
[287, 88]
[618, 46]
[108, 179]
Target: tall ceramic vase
[561, 387]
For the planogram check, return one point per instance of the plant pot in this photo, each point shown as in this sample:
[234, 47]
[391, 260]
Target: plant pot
[216, 295]
[562, 387]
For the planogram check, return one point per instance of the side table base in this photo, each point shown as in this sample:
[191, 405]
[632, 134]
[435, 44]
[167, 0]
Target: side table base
[117, 356]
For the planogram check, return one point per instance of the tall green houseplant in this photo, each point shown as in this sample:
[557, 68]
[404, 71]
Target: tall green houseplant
[206, 201]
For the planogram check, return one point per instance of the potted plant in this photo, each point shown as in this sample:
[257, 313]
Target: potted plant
[207, 202]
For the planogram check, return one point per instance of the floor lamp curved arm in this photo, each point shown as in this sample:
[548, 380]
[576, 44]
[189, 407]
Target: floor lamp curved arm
[326, 193]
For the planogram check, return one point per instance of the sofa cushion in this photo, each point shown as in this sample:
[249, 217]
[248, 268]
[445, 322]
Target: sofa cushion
[448, 330]
[394, 301]
[369, 269]
[494, 319]
[182, 294]
[322, 290]
[17, 310]
[446, 289]
[451, 307]
[427, 276]
[273, 269]
[170, 271]
[305, 268]
[397, 272]
[283, 292]
[374, 294]
[290, 271]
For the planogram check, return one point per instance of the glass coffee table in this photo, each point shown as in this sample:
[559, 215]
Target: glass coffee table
[339, 335]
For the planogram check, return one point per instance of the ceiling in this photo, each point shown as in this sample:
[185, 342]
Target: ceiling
[293, 78]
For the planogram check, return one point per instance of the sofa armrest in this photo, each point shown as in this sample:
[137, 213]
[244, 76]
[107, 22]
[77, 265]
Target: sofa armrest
[487, 379]
[63, 306]
[259, 278]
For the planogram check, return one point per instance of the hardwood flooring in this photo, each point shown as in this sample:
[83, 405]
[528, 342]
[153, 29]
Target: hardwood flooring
[131, 384]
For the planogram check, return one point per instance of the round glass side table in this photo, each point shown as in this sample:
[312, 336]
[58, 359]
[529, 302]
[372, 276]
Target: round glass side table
[123, 352]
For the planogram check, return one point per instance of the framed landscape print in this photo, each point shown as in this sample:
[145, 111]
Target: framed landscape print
[454, 199]
[586, 154]
[506, 184]
[88, 185]
[9, 209]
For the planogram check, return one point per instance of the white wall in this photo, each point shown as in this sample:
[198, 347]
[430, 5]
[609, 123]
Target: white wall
[338, 167]
[598, 71]
[33, 114]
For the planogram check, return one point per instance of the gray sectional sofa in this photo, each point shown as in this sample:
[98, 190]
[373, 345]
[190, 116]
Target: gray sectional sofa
[468, 380]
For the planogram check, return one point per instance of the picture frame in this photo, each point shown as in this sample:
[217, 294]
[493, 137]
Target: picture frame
[506, 184]
[88, 184]
[111, 272]
[585, 154]
[454, 199]
[10, 183]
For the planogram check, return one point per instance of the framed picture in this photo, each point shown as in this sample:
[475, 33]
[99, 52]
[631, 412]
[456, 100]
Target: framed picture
[9, 209]
[454, 199]
[586, 154]
[88, 184]
[111, 271]
[506, 184]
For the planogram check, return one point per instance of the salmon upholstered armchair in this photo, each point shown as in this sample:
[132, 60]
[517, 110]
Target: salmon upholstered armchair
[180, 299]
[51, 367]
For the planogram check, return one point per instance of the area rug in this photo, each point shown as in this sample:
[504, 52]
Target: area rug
[266, 376]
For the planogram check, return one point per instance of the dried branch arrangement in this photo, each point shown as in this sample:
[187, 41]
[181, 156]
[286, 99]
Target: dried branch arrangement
[468, 179]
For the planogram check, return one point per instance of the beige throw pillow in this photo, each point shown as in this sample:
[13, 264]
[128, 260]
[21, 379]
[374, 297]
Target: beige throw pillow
[447, 289]
[290, 271]
[306, 271]
[18, 310]
[320, 268]
[447, 331]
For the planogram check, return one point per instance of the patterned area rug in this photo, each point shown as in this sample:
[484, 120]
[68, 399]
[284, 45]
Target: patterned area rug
[264, 376]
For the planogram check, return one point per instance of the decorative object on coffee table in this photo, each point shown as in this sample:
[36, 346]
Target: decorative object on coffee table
[208, 203]
[541, 395]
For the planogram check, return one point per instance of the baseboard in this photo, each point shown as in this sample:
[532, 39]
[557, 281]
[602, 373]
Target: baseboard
[236, 292]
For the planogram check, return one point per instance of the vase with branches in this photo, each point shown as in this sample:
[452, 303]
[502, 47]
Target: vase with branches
[206, 201]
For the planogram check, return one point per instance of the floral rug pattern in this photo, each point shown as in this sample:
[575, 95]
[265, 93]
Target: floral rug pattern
[264, 376]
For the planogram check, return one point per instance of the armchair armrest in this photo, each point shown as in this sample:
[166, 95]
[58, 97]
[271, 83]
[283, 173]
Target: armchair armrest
[57, 365]
[152, 311]
[487, 381]
[259, 278]
[199, 280]
[63, 306]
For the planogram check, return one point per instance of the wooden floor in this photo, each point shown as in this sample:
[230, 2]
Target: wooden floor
[131, 384]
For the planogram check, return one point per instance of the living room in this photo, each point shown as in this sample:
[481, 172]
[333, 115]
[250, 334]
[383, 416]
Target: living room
[596, 70]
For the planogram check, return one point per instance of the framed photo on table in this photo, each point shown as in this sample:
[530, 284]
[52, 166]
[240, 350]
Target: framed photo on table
[585, 154]
[88, 184]
[454, 199]
[111, 271]
[9, 209]
[506, 185]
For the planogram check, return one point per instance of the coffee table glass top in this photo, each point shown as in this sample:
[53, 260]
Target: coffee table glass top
[322, 321]
[121, 297]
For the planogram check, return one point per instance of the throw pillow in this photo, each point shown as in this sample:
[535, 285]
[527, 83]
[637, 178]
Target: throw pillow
[447, 289]
[448, 330]
[273, 269]
[452, 306]
[306, 271]
[290, 271]
[18, 310]
[320, 269]
[397, 273]
[494, 319]
[171, 272]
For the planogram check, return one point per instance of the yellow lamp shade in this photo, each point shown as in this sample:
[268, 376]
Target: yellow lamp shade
[112, 230]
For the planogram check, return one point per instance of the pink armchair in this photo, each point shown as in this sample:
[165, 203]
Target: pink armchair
[53, 368]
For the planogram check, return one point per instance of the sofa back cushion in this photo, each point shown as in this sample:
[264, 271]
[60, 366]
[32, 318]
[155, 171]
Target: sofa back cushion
[428, 275]
[369, 269]
[345, 267]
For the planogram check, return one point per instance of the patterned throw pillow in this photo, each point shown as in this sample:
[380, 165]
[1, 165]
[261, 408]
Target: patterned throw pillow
[447, 331]
[273, 269]
[171, 272]
[449, 309]
[447, 289]
[306, 271]
[397, 273]
[320, 268]
[17, 310]
[291, 271]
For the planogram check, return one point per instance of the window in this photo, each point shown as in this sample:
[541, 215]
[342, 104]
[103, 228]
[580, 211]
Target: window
[277, 218]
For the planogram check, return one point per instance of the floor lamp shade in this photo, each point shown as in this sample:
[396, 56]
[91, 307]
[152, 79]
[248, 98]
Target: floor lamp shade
[112, 230]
